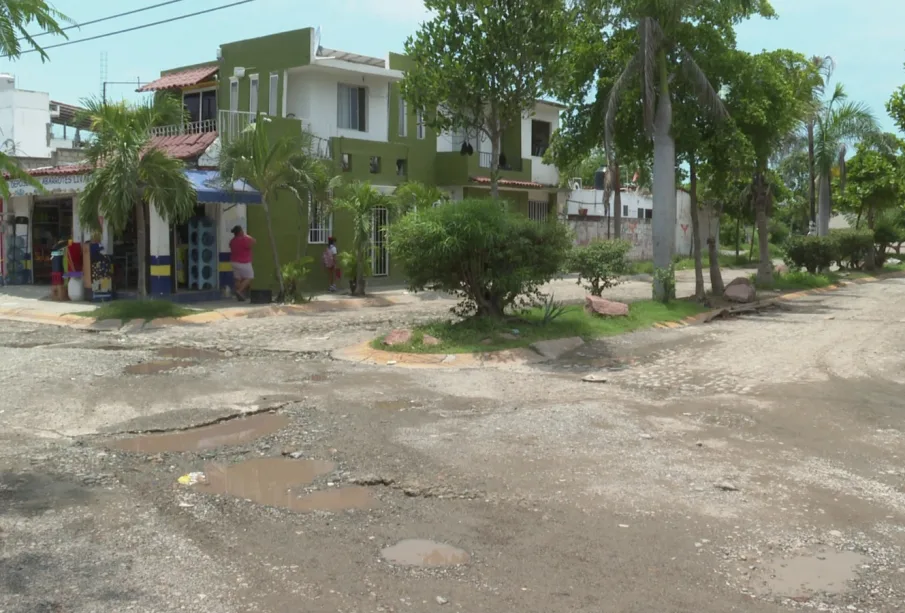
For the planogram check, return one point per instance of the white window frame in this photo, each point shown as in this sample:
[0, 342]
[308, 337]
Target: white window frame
[233, 94]
[253, 94]
[273, 92]
[538, 210]
[403, 117]
[345, 88]
[420, 129]
[319, 230]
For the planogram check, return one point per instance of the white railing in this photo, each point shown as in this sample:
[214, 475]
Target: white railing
[192, 127]
[234, 123]
[485, 157]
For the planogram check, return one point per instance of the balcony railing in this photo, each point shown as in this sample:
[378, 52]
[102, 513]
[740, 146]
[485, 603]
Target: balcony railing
[192, 127]
[234, 123]
[485, 157]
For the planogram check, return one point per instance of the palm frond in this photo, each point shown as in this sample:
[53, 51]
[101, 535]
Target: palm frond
[707, 95]
[10, 170]
[17, 16]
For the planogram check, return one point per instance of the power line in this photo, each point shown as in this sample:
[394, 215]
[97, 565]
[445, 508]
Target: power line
[94, 21]
[141, 27]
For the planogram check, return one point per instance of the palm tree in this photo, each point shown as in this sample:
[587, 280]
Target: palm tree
[657, 23]
[360, 200]
[17, 15]
[273, 168]
[825, 66]
[320, 184]
[838, 124]
[413, 195]
[129, 173]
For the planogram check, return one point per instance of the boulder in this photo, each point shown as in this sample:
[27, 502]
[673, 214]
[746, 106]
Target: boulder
[740, 290]
[430, 341]
[398, 337]
[781, 269]
[555, 348]
[605, 308]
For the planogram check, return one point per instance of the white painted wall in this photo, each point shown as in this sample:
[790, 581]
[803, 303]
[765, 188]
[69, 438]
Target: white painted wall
[312, 97]
[540, 172]
[24, 116]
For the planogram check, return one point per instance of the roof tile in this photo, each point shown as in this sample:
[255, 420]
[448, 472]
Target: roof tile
[510, 183]
[183, 78]
[184, 146]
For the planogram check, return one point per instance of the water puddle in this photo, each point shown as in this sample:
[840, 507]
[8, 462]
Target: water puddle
[189, 353]
[233, 432]
[805, 575]
[418, 552]
[273, 481]
[156, 367]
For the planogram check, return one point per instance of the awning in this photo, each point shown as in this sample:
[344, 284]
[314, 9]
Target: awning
[181, 78]
[210, 188]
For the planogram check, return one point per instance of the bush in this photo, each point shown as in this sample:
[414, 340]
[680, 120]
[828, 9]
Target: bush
[490, 257]
[813, 253]
[294, 275]
[852, 246]
[666, 278]
[886, 234]
[600, 264]
[778, 232]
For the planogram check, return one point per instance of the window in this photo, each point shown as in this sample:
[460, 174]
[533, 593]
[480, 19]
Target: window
[320, 223]
[351, 110]
[420, 117]
[625, 210]
[273, 94]
[401, 167]
[374, 165]
[233, 94]
[540, 137]
[640, 213]
[253, 94]
[346, 161]
[537, 210]
[403, 116]
[380, 255]
[648, 213]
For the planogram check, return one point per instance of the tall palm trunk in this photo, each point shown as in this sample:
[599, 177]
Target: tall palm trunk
[812, 175]
[765, 266]
[273, 247]
[696, 234]
[664, 221]
[823, 216]
[617, 202]
[141, 237]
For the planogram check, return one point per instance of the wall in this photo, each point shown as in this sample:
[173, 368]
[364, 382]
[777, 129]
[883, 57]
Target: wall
[637, 231]
[546, 174]
[24, 116]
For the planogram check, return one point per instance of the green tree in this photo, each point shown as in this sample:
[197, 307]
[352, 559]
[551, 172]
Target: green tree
[838, 124]
[273, 167]
[414, 195]
[129, 174]
[359, 201]
[825, 66]
[661, 28]
[478, 66]
[17, 16]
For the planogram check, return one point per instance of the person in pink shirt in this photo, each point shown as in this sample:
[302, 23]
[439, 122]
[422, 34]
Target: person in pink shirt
[240, 248]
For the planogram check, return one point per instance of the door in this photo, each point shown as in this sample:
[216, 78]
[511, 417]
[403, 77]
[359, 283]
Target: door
[380, 255]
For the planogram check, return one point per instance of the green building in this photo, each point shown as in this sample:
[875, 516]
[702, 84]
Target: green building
[352, 105]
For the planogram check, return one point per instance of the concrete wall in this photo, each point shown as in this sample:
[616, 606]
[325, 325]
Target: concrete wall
[545, 174]
[24, 116]
[636, 231]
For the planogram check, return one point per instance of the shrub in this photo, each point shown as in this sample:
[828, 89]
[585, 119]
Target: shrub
[666, 278]
[490, 257]
[294, 275]
[812, 253]
[886, 234]
[852, 246]
[600, 264]
[778, 232]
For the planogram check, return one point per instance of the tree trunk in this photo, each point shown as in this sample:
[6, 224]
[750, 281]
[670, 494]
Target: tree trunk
[870, 259]
[738, 232]
[823, 214]
[716, 278]
[664, 222]
[273, 249]
[617, 202]
[812, 195]
[359, 272]
[495, 160]
[141, 237]
[765, 266]
[696, 234]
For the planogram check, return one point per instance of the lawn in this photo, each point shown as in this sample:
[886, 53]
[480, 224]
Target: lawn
[147, 310]
[479, 335]
[646, 267]
[802, 280]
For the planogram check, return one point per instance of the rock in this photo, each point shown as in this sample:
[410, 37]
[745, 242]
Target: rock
[295, 455]
[555, 348]
[893, 261]
[726, 486]
[441, 600]
[647, 437]
[430, 341]
[606, 308]
[507, 336]
[836, 533]
[593, 379]
[107, 324]
[740, 290]
[391, 362]
[398, 337]
[781, 269]
[487, 341]
[449, 359]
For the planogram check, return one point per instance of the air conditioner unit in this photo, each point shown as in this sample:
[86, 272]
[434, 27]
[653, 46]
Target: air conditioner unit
[54, 110]
[239, 72]
[575, 184]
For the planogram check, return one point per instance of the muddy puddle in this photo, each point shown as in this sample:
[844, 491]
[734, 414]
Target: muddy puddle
[155, 367]
[418, 552]
[276, 482]
[824, 571]
[233, 432]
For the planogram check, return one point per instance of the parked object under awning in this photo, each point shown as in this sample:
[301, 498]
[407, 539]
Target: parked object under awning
[210, 188]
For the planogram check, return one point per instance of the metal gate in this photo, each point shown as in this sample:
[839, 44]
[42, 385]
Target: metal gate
[380, 256]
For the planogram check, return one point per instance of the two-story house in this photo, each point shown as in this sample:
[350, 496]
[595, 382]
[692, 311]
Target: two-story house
[352, 106]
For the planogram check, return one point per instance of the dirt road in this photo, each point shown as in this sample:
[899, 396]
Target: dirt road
[751, 465]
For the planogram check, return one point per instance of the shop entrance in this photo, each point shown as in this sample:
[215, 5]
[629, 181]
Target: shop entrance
[194, 246]
[51, 225]
[125, 254]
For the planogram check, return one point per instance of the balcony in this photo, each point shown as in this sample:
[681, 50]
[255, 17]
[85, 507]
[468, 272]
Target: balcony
[485, 158]
[453, 168]
[234, 123]
[193, 127]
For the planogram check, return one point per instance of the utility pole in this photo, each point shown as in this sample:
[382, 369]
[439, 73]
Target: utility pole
[137, 83]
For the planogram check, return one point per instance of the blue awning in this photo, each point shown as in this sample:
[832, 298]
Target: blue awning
[211, 188]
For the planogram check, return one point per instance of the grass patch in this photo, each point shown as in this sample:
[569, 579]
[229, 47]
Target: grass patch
[479, 335]
[127, 310]
[646, 267]
[800, 280]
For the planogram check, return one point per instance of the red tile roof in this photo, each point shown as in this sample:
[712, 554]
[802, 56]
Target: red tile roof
[68, 169]
[510, 183]
[185, 146]
[183, 78]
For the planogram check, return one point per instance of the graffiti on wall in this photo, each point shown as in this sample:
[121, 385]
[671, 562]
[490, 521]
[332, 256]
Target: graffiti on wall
[635, 231]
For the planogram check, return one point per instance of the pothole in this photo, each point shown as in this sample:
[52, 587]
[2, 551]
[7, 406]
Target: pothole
[156, 367]
[232, 432]
[190, 353]
[804, 575]
[272, 481]
[419, 552]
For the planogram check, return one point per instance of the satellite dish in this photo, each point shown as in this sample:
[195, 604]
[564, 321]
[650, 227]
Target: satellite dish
[575, 184]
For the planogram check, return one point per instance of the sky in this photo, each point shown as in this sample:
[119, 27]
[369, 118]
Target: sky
[864, 38]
